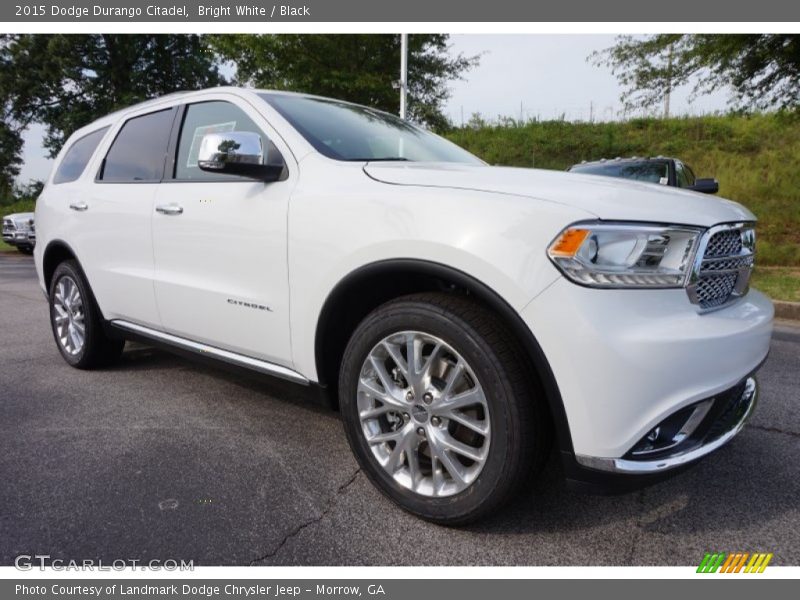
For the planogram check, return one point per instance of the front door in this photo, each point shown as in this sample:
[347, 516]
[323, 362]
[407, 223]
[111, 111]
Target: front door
[220, 245]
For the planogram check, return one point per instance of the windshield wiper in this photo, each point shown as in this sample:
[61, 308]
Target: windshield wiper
[382, 159]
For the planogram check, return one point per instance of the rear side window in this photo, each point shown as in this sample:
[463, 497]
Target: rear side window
[137, 154]
[77, 157]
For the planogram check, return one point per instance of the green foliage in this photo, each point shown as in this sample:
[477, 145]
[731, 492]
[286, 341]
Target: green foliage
[756, 159]
[67, 81]
[361, 68]
[21, 198]
[779, 283]
[10, 157]
[19, 206]
[763, 70]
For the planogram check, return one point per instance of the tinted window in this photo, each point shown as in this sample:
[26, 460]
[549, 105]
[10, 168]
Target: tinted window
[138, 151]
[77, 157]
[350, 132]
[650, 171]
[680, 175]
[690, 178]
[214, 117]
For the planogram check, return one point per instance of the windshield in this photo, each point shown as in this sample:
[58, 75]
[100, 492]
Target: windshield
[644, 170]
[345, 131]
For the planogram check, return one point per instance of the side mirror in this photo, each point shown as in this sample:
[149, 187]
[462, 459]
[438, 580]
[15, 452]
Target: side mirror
[705, 186]
[236, 153]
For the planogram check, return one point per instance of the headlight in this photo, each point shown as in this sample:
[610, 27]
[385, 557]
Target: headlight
[626, 255]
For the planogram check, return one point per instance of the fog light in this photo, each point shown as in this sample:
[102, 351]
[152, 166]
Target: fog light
[673, 430]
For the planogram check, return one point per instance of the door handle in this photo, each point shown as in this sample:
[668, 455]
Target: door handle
[169, 209]
[79, 206]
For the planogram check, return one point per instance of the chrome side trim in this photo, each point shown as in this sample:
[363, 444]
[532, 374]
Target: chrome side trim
[227, 356]
[642, 467]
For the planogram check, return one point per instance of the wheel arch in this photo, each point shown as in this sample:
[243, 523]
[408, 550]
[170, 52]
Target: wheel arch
[56, 252]
[371, 285]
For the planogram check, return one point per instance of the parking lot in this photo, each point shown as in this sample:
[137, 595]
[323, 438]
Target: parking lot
[161, 457]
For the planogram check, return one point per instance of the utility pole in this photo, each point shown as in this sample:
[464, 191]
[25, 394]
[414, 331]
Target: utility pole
[403, 73]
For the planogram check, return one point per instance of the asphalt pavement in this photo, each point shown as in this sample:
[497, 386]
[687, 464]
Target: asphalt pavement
[160, 457]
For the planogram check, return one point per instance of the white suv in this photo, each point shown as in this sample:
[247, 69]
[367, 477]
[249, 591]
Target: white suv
[465, 316]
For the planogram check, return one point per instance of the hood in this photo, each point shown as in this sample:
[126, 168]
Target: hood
[19, 216]
[605, 197]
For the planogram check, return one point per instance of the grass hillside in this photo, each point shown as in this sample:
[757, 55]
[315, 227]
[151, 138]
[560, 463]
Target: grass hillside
[755, 158]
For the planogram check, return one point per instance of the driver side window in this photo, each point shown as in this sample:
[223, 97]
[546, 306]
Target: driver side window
[214, 117]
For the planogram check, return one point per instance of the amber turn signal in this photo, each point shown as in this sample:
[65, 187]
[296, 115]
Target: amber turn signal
[569, 243]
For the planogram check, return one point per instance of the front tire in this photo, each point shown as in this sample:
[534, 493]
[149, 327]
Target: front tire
[439, 408]
[76, 321]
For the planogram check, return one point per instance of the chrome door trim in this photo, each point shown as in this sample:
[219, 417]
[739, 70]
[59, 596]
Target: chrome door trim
[227, 356]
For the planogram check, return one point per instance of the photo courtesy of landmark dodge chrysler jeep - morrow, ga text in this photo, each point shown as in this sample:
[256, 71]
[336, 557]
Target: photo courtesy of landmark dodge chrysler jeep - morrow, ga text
[464, 317]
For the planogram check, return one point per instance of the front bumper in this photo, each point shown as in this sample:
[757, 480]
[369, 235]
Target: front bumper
[624, 361]
[17, 238]
[727, 418]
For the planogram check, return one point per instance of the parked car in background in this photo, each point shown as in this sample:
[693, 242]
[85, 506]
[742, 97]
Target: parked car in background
[18, 231]
[463, 316]
[661, 170]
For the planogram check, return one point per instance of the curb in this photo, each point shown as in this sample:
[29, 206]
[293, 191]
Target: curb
[787, 310]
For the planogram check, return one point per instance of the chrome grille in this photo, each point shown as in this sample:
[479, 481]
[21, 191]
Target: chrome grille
[726, 264]
[724, 243]
[723, 266]
[714, 290]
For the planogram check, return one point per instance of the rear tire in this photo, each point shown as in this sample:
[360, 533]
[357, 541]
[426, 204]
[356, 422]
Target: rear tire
[452, 434]
[76, 321]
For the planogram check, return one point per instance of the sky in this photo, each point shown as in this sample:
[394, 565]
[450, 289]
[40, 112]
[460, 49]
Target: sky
[528, 76]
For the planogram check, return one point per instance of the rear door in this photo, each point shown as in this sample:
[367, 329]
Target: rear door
[220, 242]
[115, 218]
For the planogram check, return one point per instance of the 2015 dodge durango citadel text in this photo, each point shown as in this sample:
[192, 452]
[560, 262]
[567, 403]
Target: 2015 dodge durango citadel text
[466, 317]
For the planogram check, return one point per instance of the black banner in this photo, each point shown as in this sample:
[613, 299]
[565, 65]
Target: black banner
[314, 11]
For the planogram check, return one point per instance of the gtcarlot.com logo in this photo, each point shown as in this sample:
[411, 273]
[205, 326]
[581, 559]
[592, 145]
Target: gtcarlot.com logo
[734, 562]
[26, 562]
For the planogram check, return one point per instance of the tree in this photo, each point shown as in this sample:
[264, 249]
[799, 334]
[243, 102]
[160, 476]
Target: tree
[763, 70]
[10, 158]
[360, 68]
[67, 81]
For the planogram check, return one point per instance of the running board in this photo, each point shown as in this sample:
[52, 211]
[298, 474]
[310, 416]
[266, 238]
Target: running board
[227, 356]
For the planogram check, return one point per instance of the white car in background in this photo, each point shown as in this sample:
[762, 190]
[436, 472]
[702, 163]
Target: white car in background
[464, 316]
[18, 230]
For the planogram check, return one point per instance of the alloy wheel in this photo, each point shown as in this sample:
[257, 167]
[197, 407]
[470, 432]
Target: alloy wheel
[68, 316]
[424, 414]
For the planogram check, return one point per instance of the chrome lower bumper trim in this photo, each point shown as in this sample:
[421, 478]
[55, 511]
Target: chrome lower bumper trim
[643, 467]
[227, 356]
